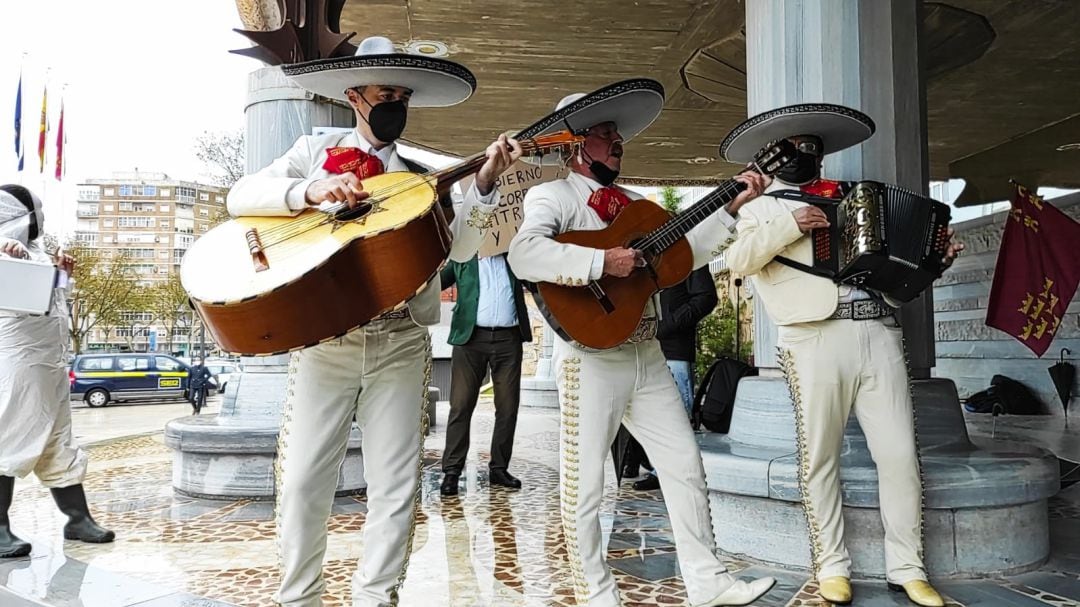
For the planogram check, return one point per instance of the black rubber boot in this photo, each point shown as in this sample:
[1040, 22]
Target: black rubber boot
[80, 525]
[10, 545]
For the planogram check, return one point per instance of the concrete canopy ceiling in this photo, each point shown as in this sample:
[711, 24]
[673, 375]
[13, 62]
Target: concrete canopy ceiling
[1003, 90]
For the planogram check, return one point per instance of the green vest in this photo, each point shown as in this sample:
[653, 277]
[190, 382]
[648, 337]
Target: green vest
[467, 278]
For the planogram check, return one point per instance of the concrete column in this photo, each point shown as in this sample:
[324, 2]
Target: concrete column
[231, 454]
[865, 55]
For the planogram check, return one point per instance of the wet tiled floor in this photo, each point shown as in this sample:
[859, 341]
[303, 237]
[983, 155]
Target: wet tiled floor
[487, 547]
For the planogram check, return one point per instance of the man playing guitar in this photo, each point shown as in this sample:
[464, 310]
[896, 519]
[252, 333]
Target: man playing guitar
[629, 384]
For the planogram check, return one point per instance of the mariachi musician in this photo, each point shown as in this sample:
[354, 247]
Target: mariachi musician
[840, 349]
[378, 373]
[631, 383]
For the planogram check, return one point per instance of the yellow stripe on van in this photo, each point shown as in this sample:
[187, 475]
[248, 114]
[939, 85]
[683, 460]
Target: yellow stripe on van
[130, 373]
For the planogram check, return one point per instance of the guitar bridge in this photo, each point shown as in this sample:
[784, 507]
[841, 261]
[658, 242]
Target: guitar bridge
[255, 247]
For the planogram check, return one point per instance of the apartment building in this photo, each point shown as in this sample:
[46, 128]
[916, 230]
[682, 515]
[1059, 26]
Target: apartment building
[154, 219]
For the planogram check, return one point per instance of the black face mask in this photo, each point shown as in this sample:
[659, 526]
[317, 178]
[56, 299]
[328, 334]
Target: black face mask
[800, 171]
[603, 173]
[387, 120]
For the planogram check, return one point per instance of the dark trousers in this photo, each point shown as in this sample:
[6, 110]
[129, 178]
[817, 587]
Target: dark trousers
[197, 397]
[500, 351]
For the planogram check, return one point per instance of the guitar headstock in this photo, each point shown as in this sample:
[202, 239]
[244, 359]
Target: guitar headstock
[562, 141]
[774, 156]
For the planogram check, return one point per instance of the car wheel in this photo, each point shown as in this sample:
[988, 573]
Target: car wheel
[97, 397]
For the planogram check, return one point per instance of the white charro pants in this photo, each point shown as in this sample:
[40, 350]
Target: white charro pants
[380, 373]
[833, 367]
[631, 385]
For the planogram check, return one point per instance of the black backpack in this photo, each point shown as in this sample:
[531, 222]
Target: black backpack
[1005, 395]
[715, 396]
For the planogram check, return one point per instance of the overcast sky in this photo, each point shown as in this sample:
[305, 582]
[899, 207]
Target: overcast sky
[140, 79]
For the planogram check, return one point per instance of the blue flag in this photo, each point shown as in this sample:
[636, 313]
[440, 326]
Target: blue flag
[18, 123]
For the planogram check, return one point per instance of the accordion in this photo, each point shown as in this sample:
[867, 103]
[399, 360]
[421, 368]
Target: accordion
[880, 237]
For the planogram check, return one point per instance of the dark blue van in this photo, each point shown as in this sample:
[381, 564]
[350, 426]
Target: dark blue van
[99, 379]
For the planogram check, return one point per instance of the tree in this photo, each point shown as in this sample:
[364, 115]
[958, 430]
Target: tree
[223, 154]
[168, 302]
[104, 288]
[716, 336]
[670, 199]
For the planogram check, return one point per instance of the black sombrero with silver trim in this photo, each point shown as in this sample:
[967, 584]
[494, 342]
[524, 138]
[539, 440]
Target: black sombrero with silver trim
[838, 127]
[631, 104]
[434, 82]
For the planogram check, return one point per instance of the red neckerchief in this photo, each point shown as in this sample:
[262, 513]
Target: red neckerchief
[353, 160]
[608, 202]
[823, 188]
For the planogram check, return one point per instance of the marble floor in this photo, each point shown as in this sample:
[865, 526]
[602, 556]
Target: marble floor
[487, 547]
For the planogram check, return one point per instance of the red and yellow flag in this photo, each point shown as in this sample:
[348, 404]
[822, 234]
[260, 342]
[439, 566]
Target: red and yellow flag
[1037, 272]
[44, 129]
[60, 143]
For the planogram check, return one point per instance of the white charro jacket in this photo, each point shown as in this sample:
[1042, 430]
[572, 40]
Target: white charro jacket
[279, 189]
[561, 206]
[767, 229]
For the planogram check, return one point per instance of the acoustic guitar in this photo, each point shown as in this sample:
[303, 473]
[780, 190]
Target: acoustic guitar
[269, 285]
[606, 312]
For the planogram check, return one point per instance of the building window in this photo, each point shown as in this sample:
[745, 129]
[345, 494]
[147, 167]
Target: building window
[164, 224]
[164, 208]
[164, 192]
[109, 192]
[219, 199]
[163, 254]
[109, 207]
[204, 212]
[108, 223]
[203, 227]
[204, 196]
[136, 222]
[127, 206]
[187, 194]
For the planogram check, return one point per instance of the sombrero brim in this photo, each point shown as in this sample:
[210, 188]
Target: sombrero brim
[838, 127]
[631, 104]
[434, 82]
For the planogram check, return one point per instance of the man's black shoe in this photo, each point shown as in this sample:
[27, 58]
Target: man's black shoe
[449, 484]
[631, 471]
[649, 483]
[503, 478]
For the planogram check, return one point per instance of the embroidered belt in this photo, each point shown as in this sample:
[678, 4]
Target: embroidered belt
[395, 314]
[645, 331]
[861, 309]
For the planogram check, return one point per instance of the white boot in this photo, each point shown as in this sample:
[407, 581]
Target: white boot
[741, 593]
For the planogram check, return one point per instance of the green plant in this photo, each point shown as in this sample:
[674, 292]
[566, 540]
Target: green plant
[716, 336]
[670, 199]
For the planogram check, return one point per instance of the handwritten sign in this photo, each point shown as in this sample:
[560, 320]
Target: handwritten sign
[513, 185]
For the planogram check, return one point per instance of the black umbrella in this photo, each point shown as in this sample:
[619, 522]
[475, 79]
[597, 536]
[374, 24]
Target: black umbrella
[1063, 374]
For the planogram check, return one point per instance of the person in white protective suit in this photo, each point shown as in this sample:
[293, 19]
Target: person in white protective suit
[35, 411]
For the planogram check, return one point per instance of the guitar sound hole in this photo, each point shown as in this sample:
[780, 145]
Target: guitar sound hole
[358, 212]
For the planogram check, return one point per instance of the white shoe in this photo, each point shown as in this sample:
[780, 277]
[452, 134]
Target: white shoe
[741, 593]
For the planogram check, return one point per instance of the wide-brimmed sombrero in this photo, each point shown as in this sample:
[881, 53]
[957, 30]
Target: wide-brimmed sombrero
[434, 82]
[631, 104]
[838, 127]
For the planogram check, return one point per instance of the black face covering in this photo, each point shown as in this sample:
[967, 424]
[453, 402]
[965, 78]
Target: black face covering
[800, 171]
[603, 173]
[387, 120]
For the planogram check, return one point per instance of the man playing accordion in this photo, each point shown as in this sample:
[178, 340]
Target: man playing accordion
[865, 370]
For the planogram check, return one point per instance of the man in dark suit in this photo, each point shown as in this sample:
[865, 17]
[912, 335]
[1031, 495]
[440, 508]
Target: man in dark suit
[489, 325]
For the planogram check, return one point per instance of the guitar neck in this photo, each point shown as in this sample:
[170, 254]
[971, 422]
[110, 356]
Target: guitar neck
[676, 228]
[452, 174]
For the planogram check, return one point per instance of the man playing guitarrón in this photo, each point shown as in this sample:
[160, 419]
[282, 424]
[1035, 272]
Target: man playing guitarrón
[378, 373]
[840, 350]
[630, 383]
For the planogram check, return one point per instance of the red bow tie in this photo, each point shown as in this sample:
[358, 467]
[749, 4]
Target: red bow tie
[823, 188]
[608, 202]
[353, 160]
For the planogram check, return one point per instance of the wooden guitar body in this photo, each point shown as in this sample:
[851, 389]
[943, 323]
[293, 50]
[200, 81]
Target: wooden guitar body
[576, 313]
[319, 278]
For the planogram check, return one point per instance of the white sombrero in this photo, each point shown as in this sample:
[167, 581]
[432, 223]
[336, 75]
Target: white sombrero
[631, 104]
[838, 127]
[434, 82]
